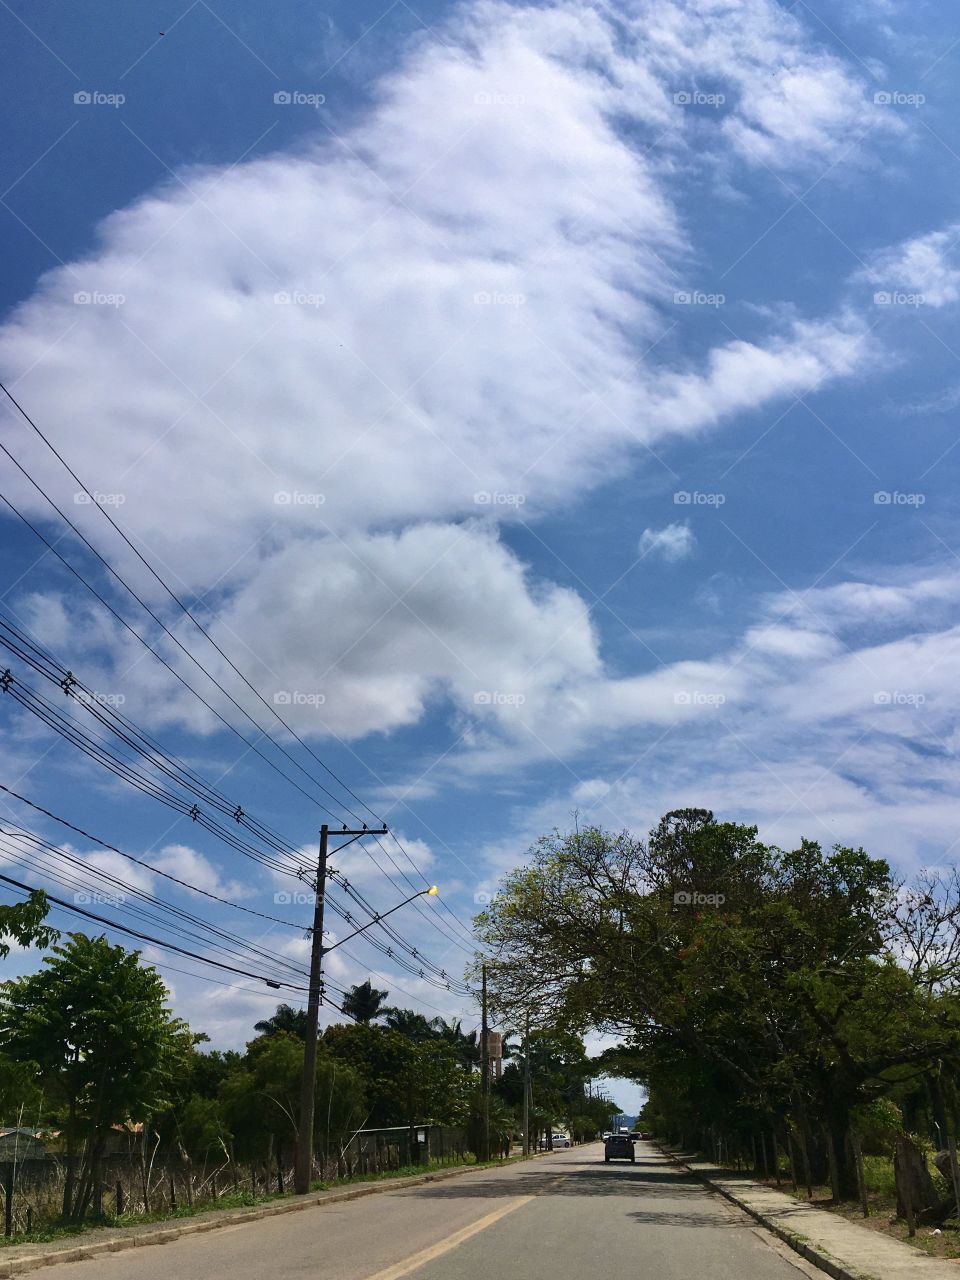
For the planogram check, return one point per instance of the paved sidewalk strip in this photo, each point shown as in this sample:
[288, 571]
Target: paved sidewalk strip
[841, 1248]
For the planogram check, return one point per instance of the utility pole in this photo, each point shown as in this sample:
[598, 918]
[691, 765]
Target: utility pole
[308, 1082]
[485, 1064]
[526, 1087]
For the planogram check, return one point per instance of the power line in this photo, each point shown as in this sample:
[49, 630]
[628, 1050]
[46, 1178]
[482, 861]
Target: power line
[189, 614]
[105, 844]
[158, 942]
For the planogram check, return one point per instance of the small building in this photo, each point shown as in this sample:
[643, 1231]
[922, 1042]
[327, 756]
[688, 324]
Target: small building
[17, 1143]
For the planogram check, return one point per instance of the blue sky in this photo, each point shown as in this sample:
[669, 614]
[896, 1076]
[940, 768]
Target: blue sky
[558, 402]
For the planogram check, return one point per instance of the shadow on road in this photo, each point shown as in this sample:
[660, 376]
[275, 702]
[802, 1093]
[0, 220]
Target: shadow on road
[647, 1179]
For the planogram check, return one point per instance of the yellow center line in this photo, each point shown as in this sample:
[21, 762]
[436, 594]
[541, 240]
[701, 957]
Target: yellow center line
[459, 1237]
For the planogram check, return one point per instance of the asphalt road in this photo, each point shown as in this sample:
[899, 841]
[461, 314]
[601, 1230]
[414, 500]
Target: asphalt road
[564, 1217]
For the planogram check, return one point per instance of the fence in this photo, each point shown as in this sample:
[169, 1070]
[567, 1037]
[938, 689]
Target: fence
[137, 1182]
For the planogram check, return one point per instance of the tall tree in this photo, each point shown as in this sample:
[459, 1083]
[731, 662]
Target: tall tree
[22, 922]
[364, 1002]
[286, 1021]
[106, 1047]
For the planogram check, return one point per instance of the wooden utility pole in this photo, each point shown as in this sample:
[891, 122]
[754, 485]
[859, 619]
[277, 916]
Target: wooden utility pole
[308, 1083]
[526, 1087]
[485, 1065]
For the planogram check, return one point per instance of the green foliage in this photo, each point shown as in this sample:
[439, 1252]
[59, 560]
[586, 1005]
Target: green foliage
[364, 1002]
[94, 1024]
[763, 997]
[22, 922]
[286, 1021]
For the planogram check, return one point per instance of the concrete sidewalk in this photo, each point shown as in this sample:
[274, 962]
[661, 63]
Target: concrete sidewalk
[840, 1248]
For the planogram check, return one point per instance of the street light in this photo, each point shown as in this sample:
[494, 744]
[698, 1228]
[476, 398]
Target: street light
[382, 915]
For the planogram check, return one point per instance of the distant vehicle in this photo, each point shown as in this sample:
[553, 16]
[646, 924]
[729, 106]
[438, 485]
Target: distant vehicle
[619, 1147]
[560, 1140]
[606, 1135]
[637, 1136]
[623, 1129]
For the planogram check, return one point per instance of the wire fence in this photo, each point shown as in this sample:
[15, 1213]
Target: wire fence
[136, 1182]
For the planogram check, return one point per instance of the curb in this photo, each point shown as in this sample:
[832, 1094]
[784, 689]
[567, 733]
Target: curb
[233, 1217]
[796, 1242]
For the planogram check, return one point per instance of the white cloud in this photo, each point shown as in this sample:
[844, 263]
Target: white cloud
[928, 265]
[673, 542]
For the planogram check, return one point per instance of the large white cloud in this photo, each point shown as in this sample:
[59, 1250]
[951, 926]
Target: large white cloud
[324, 360]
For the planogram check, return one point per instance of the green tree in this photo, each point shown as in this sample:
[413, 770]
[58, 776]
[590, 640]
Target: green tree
[364, 1002]
[22, 922]
[95, 1023]
[286, 1021]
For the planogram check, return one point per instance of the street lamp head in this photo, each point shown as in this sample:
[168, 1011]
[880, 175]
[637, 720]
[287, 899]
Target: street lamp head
[433, 891]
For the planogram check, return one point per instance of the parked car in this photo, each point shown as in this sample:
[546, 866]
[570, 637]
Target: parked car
[619, 1147]
[560, 1140]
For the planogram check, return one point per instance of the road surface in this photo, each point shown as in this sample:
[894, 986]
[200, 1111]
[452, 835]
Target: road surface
[568, 1216]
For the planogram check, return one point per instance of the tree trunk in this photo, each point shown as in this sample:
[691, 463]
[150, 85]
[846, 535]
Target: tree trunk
[915, 1190]
[843, 1174]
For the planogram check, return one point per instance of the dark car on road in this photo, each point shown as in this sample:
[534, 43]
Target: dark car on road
[619, 1147]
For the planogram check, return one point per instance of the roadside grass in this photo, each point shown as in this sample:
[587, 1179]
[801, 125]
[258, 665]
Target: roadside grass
[235, 1200]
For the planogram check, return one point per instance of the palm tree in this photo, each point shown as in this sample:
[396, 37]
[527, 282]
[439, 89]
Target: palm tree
[363, 1002]
[410, 1024]
[466, 1044]
[286, 1019]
